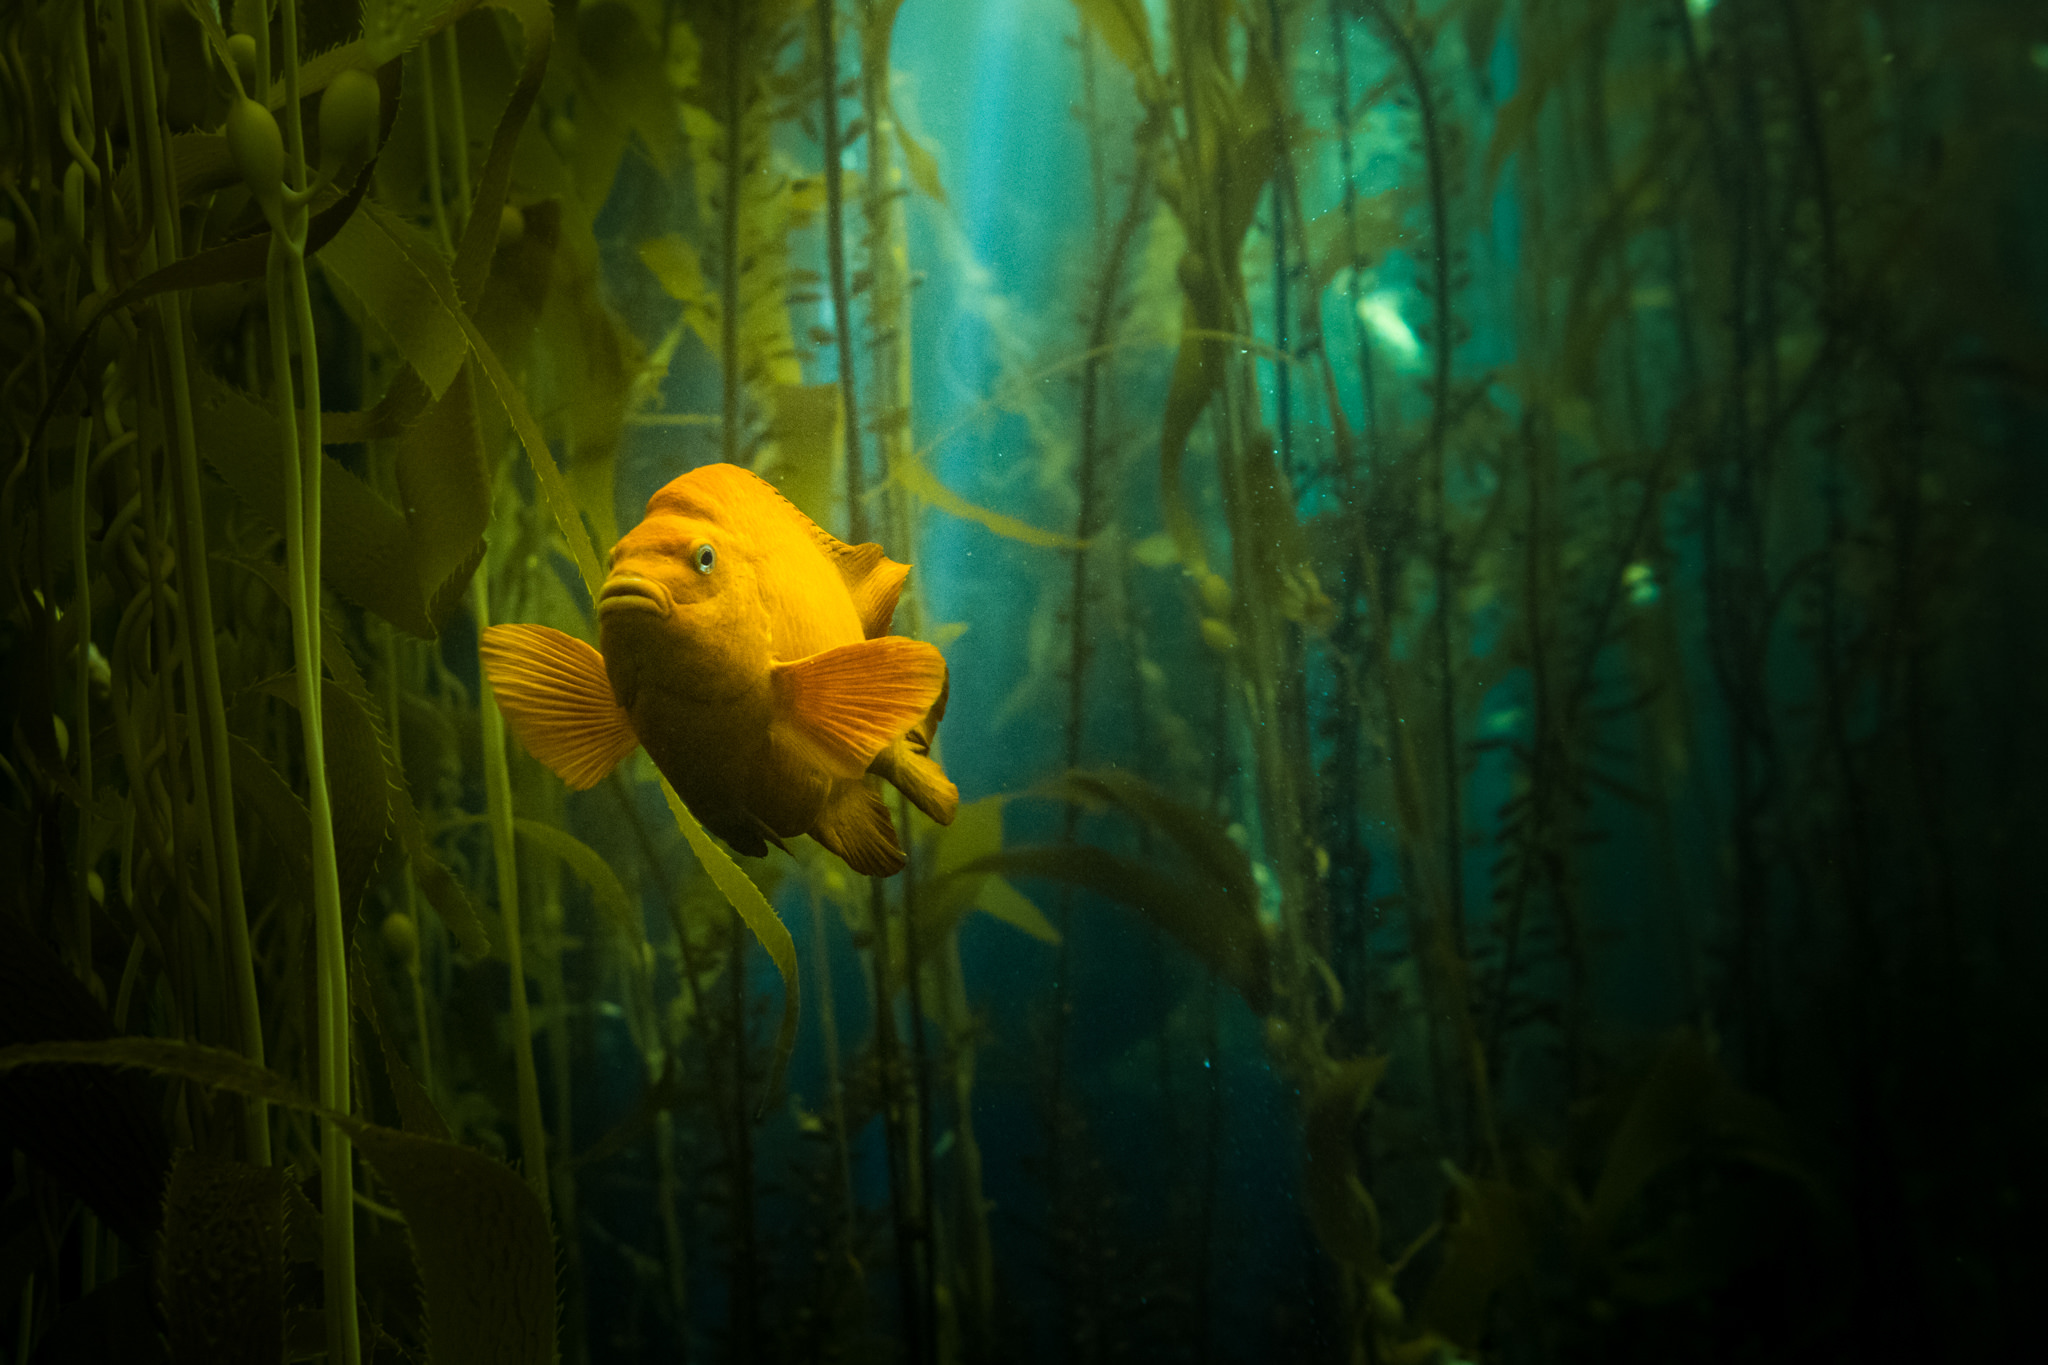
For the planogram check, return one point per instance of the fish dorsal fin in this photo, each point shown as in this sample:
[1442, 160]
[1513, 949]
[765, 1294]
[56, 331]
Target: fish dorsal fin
[873, 579]
[841, 707]
[555, 693]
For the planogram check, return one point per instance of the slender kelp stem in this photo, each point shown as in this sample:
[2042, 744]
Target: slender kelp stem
[394, 729]
[291, 310]
[738, 59]
[1282, 378]
[458, 118]
[430, 137]
[1060, 1219]
[81, 608]
[498, 793]
[1351, 871]
[210, 769]
[835, 1087]
[666, 1185]
[856, 512]
[744, 1310]
[1403, 44]
[285, 288]
[921, 1081]
[889, 1080]
[889, 343]
[835, 267]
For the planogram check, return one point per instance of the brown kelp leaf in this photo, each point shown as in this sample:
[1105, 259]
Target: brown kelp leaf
[1541, 67]
[1215, 205]
[945, 893]
[915, 477]
[622, 80]
[220, 1277]
[1485, 1247]
[1197, 372]
[1286, 580]
[1341, 1210]
[1204, 844]
[101, 1136]
[484, 1249]
[592, 362]
[262, 785]
[416, 1111]
[366, 547]
[607, 892]
[676, 267]
[750, 905]
[390, 270]
[357, 785]
[1127, 33]
[1222, 932]
[481, 1239]
[261, 788]
[440, 886]
[445, 481]
[1687, 1108]
[480, 238]
[554, 489]
[230, 263]
[1339, 239]
[806, 430]
[919, 161]
[522, 275]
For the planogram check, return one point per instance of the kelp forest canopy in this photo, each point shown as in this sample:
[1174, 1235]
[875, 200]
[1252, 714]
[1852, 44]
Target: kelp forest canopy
[1489, 554]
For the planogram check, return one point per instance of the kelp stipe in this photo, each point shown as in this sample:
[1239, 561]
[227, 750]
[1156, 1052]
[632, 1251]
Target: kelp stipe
[1645, 387]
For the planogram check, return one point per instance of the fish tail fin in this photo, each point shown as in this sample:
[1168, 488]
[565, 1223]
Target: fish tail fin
[855, 825]
[555, 694]
[912, 770]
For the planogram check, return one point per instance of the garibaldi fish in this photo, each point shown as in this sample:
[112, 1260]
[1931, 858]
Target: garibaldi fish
[748, 650]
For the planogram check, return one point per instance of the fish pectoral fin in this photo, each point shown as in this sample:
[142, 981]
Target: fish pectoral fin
[856, 826]
[841, 707]
[554, 691]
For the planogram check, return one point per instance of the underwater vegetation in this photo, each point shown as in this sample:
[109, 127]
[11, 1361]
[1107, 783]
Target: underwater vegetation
[1480, 560]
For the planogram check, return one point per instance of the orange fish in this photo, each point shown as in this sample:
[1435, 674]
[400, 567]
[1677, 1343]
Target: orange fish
[748, 650]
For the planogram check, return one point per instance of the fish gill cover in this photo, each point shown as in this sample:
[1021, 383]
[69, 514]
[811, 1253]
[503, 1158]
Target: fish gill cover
[1487, 556]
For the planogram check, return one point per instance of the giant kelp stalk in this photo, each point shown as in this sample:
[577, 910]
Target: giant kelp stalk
[905, 1085]
[1350, 859]
[281, 187]
[1078, 1237]
[141, 98]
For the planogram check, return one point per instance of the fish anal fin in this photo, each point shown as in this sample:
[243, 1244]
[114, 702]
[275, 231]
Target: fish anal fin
[856, 826]
[555, 694]
[841, 707]
[762, 828]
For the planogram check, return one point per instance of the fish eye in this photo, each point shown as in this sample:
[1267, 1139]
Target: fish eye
[706, 558]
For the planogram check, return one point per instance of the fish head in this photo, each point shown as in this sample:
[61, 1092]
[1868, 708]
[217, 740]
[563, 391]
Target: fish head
[682, 604]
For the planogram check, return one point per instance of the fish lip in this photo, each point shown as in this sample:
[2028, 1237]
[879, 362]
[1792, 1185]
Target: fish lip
[631, 592]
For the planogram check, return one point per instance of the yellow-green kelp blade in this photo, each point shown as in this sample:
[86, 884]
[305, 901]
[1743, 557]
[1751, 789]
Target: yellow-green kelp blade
[485, 1253]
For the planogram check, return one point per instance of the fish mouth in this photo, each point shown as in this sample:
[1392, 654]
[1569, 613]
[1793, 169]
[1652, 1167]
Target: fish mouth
[631, 592]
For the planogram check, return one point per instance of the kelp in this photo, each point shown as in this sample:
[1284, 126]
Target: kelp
[1531, 833]
[494, 1306]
